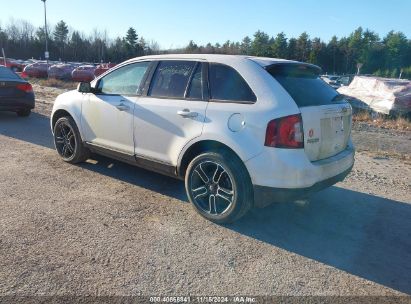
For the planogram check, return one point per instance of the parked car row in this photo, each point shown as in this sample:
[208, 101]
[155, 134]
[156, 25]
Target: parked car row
[36, 70]
[13, 64]
[337, 81]
[65, 71]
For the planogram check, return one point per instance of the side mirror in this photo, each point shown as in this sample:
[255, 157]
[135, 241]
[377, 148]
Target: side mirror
[84, 87]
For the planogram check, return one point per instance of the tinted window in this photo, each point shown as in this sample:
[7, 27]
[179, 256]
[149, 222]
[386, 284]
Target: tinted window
[196, 86]
[125, 80]
[6, 73]
[304, 85]
[171, 78]
[227, 84]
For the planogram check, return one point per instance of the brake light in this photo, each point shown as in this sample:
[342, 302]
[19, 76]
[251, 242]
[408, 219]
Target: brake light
[25, 87]
[285, 132]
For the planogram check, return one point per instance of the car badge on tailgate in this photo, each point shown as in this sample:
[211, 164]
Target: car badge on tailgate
[311, 133]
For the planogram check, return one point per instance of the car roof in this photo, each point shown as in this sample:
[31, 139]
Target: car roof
[262, 61]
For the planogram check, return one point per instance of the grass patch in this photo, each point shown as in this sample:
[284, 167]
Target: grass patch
[383, 121]
[54, 83]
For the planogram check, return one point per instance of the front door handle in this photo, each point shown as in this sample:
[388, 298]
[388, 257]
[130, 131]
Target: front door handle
[186, 113]
[122, 107]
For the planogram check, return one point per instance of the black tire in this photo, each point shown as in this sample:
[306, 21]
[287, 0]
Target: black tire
[24, 113]
[68, 142]
[220, 170]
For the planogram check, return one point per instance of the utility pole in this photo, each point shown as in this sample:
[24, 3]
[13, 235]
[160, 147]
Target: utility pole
[5, 61]
[46, 53]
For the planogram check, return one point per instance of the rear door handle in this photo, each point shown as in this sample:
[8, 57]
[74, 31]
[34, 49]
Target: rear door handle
[186, 113]
[122, 107]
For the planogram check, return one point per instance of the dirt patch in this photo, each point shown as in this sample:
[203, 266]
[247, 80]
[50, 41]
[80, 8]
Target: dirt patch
[54, 83]
[399, 123]
[382, 142]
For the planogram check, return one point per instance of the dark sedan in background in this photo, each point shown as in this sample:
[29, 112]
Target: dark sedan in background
[16, 94]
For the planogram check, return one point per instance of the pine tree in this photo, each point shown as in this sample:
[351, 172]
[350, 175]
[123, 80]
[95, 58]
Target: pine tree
[279, 46]
[192, 47]
[292, 49]
[60, 36]
[261, 44]
[245, 47]
[132, 37]
[303, 47]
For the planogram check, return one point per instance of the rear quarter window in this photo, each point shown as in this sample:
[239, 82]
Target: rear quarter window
[303, 84]
[226, 84]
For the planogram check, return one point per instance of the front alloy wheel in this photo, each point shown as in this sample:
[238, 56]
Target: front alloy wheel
[67, 141]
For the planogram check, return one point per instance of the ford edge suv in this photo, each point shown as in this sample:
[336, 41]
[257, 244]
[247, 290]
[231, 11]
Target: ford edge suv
[241, 131]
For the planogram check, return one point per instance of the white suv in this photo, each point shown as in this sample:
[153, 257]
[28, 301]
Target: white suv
[241, 131]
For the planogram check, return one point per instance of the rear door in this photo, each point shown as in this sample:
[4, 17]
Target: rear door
[326, 115]
[171, 111]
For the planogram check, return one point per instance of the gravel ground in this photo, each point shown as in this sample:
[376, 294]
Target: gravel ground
[106, 228]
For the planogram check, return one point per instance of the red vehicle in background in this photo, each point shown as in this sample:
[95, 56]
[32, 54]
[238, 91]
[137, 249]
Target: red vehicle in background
[83, 73]
[102, 68]
[12, 64]
[61, 71]
[37, 70]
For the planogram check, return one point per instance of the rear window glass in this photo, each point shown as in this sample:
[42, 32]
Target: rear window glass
[304, 85]
[171, 79]
[8, 74]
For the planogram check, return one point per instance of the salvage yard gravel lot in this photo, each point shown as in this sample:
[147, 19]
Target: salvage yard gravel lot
[106, 228]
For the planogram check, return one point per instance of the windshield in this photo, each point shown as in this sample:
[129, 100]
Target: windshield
[304, 85]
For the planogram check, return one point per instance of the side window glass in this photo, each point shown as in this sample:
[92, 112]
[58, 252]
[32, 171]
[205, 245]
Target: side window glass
[227, 84]
[125, 80]
[171, 78]
[196, 86]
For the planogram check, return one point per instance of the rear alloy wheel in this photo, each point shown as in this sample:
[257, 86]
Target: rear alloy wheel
[219, 187]
[67, 141]
[24, 113]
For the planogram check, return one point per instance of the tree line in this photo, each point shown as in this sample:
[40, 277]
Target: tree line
[22, 40]
[389, 56]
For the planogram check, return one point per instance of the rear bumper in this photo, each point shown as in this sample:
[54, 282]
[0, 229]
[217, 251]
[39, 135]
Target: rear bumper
[264, 196]
[17, 103]
[284, 175]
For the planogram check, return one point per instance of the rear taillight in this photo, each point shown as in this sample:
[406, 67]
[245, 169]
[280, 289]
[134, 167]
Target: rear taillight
[25, 87]
[285, 132]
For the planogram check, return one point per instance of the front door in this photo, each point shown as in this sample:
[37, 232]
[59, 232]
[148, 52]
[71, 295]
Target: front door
[107, 115]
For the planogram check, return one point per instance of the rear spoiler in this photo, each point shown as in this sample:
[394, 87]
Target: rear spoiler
[300, 68]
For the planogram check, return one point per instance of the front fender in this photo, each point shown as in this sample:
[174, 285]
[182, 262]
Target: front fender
[71, 103]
